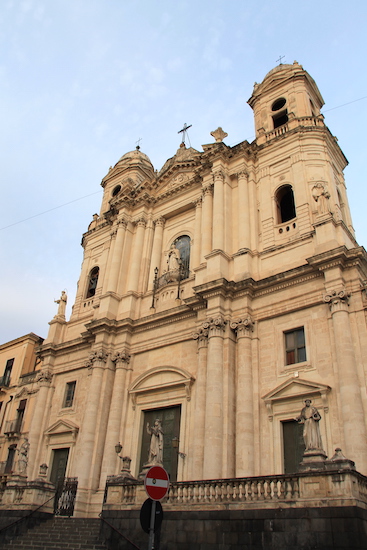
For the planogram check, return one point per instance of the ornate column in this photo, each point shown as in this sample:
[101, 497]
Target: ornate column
[196, 249]
[244, 399]
[156, 249]
[218, 211]
[352, 415]
[243, 211]
[40, 415]
[213, 447]
[115, 419]
[200, 397]
[133, 283]
[115, 265]
[207, 221]
[96, 364]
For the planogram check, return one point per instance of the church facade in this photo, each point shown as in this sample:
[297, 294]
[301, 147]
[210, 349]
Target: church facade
[215, 297]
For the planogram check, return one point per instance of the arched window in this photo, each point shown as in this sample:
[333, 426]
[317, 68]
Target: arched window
[285, 204]
[183, 245]
[280, 116]
[92, 282]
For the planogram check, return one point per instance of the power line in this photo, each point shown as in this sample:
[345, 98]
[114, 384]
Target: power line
[49, 210]
[344, 104]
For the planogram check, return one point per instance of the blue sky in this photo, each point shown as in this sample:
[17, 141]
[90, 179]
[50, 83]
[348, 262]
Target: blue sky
[82, 81]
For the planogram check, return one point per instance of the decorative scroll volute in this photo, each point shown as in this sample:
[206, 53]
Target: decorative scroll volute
[337, 300]
[243, 327]
[201, 336]
[215, 325]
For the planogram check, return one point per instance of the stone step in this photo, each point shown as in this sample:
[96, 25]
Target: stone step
[60, 534]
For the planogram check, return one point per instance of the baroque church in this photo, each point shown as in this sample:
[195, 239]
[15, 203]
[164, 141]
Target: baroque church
[215, 297]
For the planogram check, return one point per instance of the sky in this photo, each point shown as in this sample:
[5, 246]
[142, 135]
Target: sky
[82, 81]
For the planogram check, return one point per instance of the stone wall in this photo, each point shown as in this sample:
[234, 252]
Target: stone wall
[334, 528]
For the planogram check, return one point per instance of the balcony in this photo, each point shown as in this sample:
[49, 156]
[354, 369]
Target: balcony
[13, 427]
[4, 381]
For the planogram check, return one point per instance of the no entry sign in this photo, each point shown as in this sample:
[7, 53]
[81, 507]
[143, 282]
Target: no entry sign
[156, 482]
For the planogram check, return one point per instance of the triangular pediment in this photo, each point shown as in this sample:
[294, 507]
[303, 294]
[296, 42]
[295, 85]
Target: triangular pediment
[62, 427]
[295, 388]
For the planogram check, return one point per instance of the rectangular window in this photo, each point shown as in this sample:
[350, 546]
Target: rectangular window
[5, 380]
[69, 394]
[295, 348]
[20, 415]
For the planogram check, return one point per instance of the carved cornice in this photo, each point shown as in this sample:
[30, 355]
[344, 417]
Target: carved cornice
[243, 327]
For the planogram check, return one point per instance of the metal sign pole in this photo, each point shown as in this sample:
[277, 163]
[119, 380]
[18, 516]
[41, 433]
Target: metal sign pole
[151, 528]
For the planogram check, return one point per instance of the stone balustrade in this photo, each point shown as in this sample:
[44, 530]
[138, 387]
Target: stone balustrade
[329, 488]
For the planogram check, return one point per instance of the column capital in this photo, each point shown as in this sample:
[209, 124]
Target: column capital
[121, 358]
[243, 327]
[201, 336]
[159, 221]
[198, 202]
[141, 221]
[215, 325]
[243, 173]
[99, 356]
[122, 223]
[337, 300]
[218, 174]
[208, 189]
[44, 377]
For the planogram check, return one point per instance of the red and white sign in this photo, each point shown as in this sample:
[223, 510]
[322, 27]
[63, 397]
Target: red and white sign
[156, 482]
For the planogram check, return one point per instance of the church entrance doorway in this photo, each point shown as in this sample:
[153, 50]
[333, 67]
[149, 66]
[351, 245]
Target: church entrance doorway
[59, 463]
[170, 421]
[293, 446]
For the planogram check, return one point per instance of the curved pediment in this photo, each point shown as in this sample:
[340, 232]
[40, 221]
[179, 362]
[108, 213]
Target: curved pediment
[164, 379]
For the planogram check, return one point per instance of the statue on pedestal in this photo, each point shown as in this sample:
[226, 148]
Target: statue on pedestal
[62, 304]
[310, 418]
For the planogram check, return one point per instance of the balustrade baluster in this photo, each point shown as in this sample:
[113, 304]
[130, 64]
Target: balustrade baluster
[282, 489]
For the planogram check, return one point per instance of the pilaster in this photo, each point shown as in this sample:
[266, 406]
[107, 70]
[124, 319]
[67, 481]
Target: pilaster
[198, 421]
[243, 328]
[213, 449]
[352, 414]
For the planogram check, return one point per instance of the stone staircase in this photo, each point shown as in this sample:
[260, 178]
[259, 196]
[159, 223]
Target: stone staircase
[60, 534]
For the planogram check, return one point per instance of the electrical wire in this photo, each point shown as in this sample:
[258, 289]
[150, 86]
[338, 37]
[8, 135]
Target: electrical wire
[97, 192]
[50, 210]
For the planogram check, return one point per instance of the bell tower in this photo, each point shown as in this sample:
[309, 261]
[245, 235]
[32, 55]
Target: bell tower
[301, 190]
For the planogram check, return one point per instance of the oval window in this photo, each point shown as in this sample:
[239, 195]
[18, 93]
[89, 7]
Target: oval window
[116, 190]
[278, 104]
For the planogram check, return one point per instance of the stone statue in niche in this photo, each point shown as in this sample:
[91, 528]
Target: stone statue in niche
[321, 196]
[62, 304]
[155, 455]
[23, 457]
[310, 418]
[173, 260]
